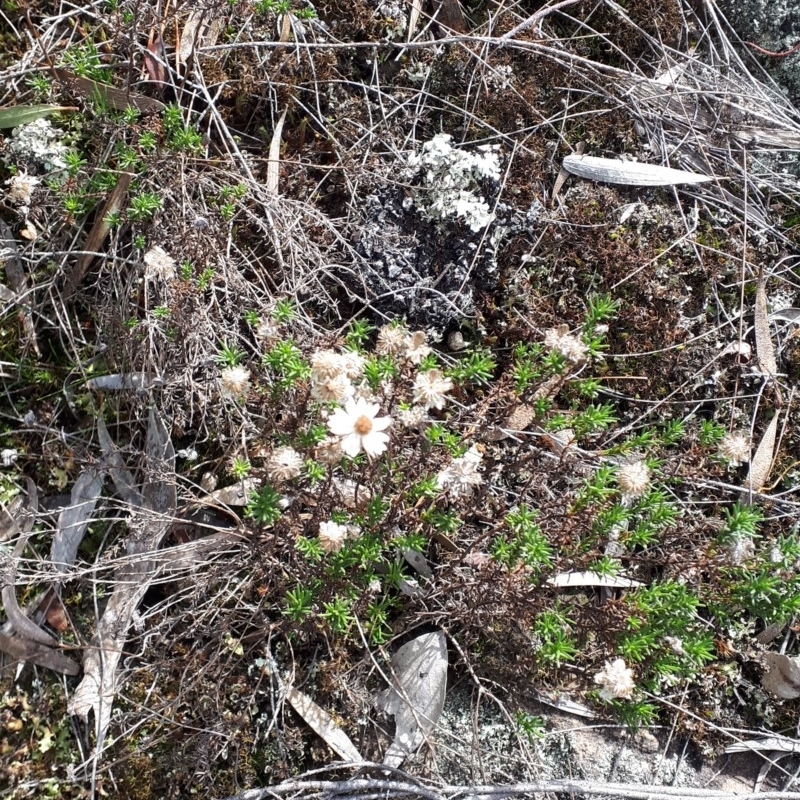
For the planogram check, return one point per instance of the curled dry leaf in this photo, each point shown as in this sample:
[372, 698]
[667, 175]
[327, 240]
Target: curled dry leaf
[416, 698]
[782, 676]
[23, 524]
[628, 173]
[274, 160]
[237, 495]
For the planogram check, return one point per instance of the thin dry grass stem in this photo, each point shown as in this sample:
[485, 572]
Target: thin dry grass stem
[400, 789]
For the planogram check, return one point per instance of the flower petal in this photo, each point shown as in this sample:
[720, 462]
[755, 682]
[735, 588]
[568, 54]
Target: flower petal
[340, 423]
[381, 423]
[374, 443]
[351, 445]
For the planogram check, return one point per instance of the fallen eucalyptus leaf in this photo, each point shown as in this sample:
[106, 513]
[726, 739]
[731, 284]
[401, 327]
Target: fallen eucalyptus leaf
[108, 96]
[765, 349]
[567, 579]
[783, 675]
[21, 649]
[416, 697]
[761, 463]
[97, 235]
[120, 474]
[75, 518]
[139, 381]
[148, 525]
[781, 744]
[14, 116]
[628, 173]
[321, 722]
[786, 314]
[418, 561]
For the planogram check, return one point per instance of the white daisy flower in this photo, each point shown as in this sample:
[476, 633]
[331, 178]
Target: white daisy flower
[616, 680]
[391, 340]
[430, 388]
[284, 464]
[332, 536]
[416, 347]
[360, 428]
[735, 448]
[633, 479]
[235, 382]
[461, 477]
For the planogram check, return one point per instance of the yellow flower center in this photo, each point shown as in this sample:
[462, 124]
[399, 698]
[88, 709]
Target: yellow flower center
[363, 425]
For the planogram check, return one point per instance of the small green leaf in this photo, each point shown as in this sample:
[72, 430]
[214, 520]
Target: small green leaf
[13, 116]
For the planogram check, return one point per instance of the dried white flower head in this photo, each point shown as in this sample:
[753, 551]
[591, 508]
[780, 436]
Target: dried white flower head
[416, 347]
[563, 342]
[353, 364]
[20, 188]
[391, 340]
[235, 382]
[460, 478]
[615, 680]
[430, 388]
[266, 330]
[412, 417]
[284, 464]
[740, 548]
[329, 451]
[735, 448]
[332, 536]
[335, 389]
[360, 428]
[326, 364]
[159, 264]
[633, 479]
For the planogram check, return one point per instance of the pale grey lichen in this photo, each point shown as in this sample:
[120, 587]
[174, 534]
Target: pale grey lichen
[450, 181]
[39, 143]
